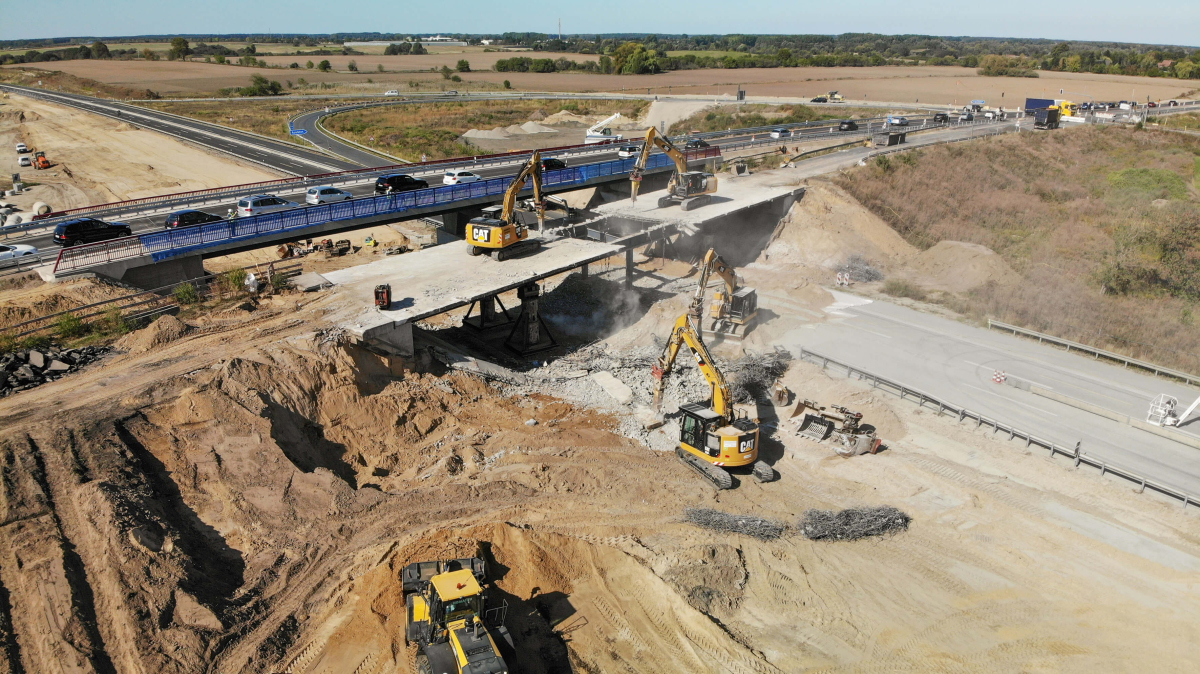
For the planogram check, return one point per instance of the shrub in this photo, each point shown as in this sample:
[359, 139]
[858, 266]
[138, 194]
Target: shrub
[234, 281]
[884, 163]
[455, 78]
[353, 66]
[463, 66]
[7, 343]
[899, 288]
[70, 326]
[279, 282]
[309, 65]
[508, 85]
[446, 72]
[1148, 182]
[185, 293]
[35, 342]
[324, 66]
[114, 322]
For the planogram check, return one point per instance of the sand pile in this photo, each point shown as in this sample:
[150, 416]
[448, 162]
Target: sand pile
[165, 330]
[497, 133]
[565, 117]
[828, 226]
[534, 127]
[959, 267]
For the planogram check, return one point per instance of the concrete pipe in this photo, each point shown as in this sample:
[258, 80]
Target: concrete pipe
[13, 220]
[41, 208]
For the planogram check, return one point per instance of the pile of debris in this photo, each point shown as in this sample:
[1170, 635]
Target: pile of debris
[859, 269]
[22, 370]
[752, 376]
[758, 527]
[853, 523]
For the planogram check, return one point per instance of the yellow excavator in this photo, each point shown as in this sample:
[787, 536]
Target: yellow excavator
[712, 436]
[507, 236]
[735, 307]
[689, 189]
[444, 616]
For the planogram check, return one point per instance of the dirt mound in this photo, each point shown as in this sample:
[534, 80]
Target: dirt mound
[827, 226]
[165, 330]
[17, 116]
[534, 127]
[497, 133]
[958, 267]
[566, 117]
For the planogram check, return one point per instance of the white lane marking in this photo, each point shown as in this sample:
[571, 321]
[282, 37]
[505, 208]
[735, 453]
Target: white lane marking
[1006, 398]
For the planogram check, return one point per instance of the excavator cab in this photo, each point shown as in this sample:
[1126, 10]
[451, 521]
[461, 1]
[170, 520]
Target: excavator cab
[731, 314]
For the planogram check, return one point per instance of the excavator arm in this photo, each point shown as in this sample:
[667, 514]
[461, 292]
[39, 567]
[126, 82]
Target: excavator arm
[655, 140]
[713, 264]
[531, 170]
[685, 333]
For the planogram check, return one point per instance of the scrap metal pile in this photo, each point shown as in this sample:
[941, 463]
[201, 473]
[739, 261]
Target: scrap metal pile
[758, 527]
[853, 523]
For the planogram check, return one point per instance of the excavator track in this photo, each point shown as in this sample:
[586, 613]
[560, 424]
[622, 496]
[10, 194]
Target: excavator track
[714, 474]
[517, 249]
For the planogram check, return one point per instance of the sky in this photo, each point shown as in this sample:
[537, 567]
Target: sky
[1144, 21]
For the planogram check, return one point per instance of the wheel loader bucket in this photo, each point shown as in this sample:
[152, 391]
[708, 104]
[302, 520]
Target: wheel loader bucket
[815, 427]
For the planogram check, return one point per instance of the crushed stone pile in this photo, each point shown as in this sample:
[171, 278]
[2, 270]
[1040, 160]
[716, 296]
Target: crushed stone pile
[758, 527]
[22, 370]
[534, 127]
[853, 523]
[860, 269]
[490, 134]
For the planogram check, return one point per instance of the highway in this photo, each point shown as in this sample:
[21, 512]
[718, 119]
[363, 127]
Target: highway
[274, 154]
[956, 362]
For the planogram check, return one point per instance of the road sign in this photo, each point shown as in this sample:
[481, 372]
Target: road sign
[299, 132]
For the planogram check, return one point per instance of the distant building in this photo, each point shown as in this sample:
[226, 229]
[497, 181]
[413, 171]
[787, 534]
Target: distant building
[486, 41]
[440, 40]
[1166, 65]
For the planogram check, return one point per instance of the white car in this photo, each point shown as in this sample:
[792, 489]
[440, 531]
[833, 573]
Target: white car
[263, 203]
[897, 121]
[629, 151]
[459, 177]
[326, 194]
[24, 161]
[781, 133]
[391, 92]
[8, 251]
[22, 148]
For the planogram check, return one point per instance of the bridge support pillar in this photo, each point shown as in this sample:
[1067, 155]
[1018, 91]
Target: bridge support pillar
[144, 273]
[628, 268]
[396, 338]
[455, 222]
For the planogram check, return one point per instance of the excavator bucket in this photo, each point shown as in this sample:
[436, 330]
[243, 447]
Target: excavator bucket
[815, 427]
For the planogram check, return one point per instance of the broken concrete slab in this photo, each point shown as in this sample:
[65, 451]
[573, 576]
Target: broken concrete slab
[310, 281]
[58, 366]
[37, 359]
[614, 387]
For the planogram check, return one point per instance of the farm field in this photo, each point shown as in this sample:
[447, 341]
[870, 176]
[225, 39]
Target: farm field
[911, 84]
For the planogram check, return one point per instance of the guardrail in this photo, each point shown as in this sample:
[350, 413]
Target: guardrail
[169, 243]
[1042, 337]
[1074, 453]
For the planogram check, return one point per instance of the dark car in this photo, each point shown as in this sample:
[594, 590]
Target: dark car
[940, 118]
[848, 125]
[553, 164]
[88, 230]
[398, 182]
[696, 144]
[189, 217]
[820, 99]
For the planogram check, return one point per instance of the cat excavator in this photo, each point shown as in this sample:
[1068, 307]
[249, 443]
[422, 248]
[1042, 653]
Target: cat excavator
[445, 612]
[507, 236]
[689, 189]
[735, 307]
[712, 436]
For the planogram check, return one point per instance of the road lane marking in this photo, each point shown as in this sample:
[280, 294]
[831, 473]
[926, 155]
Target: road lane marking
[1032, 407]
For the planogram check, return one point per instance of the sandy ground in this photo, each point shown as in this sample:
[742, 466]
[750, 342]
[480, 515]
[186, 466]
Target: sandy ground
[241, 493]
[99, 160]
[924, 84]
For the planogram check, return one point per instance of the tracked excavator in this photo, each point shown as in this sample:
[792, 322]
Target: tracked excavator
[507, 236]
[712, 436]
[735, 307]
[445, 611]
[689, 189]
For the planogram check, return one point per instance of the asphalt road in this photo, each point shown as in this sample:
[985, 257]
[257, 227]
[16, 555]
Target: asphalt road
[278, 155]
[955, 362]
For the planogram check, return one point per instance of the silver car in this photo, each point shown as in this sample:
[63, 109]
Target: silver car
[263, 203]
[326, 194]
[8, 251]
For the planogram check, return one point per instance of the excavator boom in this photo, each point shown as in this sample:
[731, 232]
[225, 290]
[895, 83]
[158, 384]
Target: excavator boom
[686, 333]
[532, 170]
[653, 139]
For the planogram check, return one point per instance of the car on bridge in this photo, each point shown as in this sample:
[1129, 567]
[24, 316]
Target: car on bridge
[820, 99]
[848, 125]
[326, 194]
[895, 120]
[391, 92]
[781, 133]
[629, 151]
[941, 118]
[398, 182]
[460, 177]
[88, 230]
[9, 251]
[696, 144]
[189, 217]
[967, 117]
[263, 203]
[553, 164]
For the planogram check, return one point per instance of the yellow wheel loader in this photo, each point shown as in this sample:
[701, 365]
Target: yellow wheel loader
[447, 617]
[689, 189]
[506, 237]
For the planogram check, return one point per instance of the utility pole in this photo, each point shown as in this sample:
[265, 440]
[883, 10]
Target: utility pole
[560, 30]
